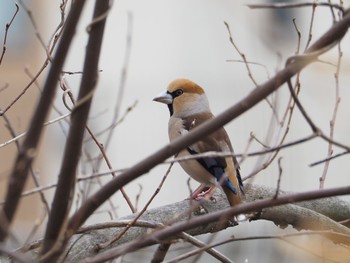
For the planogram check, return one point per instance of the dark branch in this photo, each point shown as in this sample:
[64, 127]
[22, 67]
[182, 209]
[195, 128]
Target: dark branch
[66, 179]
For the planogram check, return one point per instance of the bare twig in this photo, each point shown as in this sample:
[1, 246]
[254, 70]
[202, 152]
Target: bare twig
[311, 24]
[313, 127]
[252, 63]
[332, 122]
[8, 25]
[16, 138]
[252, 135]
[296, 5]
[299, 36]
[280, 170]
[241, 54]
[329, 158]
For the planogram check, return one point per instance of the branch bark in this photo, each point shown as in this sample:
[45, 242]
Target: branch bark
[316, 215]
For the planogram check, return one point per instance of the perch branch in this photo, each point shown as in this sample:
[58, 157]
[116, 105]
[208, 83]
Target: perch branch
[313, 215]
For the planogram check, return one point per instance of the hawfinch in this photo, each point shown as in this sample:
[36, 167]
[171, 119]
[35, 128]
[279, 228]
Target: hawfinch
[189, 108]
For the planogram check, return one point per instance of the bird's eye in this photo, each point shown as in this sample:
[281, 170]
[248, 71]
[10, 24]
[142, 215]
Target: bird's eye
[179, 92]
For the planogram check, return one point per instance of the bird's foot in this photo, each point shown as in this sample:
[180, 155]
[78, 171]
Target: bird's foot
[200, 194]
[196, 192]
[208, 195]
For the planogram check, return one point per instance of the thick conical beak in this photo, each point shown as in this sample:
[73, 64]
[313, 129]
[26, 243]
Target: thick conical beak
[164, 97]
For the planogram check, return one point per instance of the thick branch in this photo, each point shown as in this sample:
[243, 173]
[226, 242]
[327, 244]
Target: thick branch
[314, 215]
[66, 179]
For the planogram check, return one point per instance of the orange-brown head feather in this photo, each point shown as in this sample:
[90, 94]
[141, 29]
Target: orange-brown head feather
[192, 100]
[186, 85]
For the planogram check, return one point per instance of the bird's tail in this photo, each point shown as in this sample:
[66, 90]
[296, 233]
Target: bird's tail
[233, 198]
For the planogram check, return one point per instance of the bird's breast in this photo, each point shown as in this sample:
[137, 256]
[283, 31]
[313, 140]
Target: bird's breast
[176, 128]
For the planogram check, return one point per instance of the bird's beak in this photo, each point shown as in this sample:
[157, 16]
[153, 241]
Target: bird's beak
[164, 97]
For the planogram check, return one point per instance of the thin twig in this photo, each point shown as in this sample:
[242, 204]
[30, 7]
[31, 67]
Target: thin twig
[333, 120]
[313, 127]
[280, 170]
[246, 63]
[15, 139]
[7, 27]
[241, 54]
[329, 158]
[295, 5]
[252, 63]
[311, 24]
[299, 36]
[252, 135]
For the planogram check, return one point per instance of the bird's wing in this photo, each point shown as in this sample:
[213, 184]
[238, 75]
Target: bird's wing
[224, 169]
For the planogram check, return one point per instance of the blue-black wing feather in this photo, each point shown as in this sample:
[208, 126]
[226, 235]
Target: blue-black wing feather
[216, 167]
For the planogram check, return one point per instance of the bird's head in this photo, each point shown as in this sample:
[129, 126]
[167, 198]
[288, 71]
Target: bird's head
[184, 98]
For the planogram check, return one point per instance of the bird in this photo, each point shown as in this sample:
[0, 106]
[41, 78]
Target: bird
[189, 108]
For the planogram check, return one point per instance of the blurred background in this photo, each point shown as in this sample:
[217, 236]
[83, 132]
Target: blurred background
[154, 42]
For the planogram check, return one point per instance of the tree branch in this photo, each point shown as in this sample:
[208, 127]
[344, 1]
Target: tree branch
[315, 215]
[67, 177]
